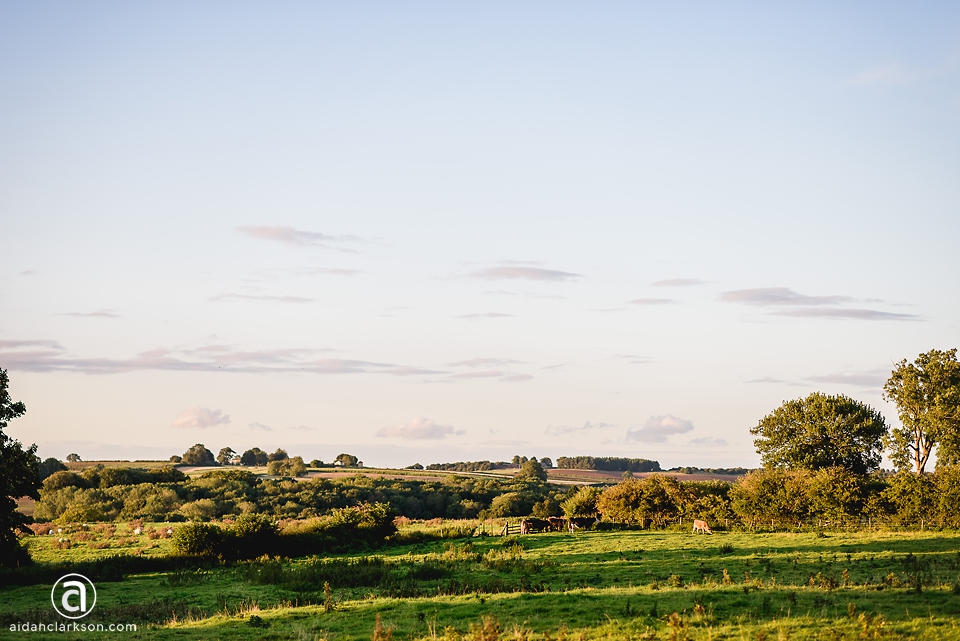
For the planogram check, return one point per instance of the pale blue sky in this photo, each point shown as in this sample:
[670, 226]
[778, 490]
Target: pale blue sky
[425, 232]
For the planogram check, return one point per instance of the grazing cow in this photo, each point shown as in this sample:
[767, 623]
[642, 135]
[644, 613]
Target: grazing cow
[557, 523]
[581, 522]
[529, 526]
[701, 526]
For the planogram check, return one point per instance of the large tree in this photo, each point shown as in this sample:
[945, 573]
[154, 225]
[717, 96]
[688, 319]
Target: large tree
[198, 455]
[821, 431]
[927, 394]
[19, 476]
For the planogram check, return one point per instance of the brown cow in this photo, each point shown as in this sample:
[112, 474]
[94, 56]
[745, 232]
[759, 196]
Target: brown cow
[701, 526]
[529, 526]
[557, 523]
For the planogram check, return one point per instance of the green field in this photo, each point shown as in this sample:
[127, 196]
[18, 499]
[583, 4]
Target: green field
[591, 585]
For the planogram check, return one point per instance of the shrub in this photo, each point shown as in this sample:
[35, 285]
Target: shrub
[199, 539]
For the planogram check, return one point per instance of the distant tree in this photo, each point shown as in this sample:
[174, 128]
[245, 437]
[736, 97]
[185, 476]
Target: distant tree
[532, 470]
[415, 466]
[73, 458]
[176, 458]
[287, 467]
[316, 463]
[516, 460]
[627, 475]
[253, 457]
[546, 462]
[19, 476]
[279, 455]
[50, 465]
[821, 431]
[927, 394]
[198, 455]
[225, 456]
[346, 460]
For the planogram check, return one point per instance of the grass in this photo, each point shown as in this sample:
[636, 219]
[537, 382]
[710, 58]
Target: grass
[592, 585]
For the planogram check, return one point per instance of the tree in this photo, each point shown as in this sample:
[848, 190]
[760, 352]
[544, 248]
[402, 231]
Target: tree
[927, 394]
[225, 456]
[73, 457]
[821, 431]
[253, 457]
[279, 455]
[50, 465]
[19, 476]
[532, 470]
[198, 455]
[346, 460]
[546, 462]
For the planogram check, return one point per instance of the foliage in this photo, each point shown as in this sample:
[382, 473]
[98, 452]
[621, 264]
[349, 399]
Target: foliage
[225, 456]
[50, 465]
[198, 455]
[655, 499]
[581, 502]
[468, 466]
[607, 463]
[253, 457]
[279, 455]
[346, 460]
[532, 470]
[19, 476]
[927, 394]
[73, 457]
[821, 431]
[287, 467]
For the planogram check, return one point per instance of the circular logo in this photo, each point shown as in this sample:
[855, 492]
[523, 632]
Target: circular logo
[73, 596]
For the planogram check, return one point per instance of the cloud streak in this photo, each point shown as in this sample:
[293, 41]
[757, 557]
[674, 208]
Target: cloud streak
[870, 378]
[652, 301]
[200, 418]
[560, 430]
[678, 282]
[50, 356]
[658, 428]
[295, 237]
[100, 314]
[233, 298]
[484, 315]
[419, 429]
[786, 302]
[513, 272]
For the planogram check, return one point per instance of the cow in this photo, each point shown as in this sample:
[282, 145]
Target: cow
[581, 522]
[529, 526]
[557, 523]
[701, 526]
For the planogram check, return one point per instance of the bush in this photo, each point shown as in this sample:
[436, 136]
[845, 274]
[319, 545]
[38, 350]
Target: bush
[199, 539]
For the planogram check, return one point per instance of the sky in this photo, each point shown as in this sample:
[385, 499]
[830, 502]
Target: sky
[426, 232]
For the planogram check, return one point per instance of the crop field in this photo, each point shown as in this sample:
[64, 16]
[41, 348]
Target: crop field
[589, 585]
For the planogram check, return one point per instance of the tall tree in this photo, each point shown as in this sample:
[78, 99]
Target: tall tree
[198, 455]
[821, 431]
[927, 394]
[225, 456]
[19, 476]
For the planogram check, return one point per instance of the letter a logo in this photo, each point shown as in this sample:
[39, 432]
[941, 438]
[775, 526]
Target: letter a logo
[73, 596]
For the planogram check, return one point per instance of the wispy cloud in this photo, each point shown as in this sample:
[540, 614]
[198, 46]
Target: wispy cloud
[29, 272]
[509, 272]
[419, 429]
[652, 301]
[484, 315]
[678, 282]
[200, 418]
[870, 378]
[895, 73]
[295, 237]
[256, 425]
[658, 428]
[516, 378]
[633, 359]
[303, 428]
[484, 362]
[803, 306]
[103, 313]
[708, 441]
[506, 377]
[559, 430]
[49, 356]
[858, 314]
[778, 296]
[232, 298]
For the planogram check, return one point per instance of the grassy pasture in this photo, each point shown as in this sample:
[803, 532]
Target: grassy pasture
[591, 585]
